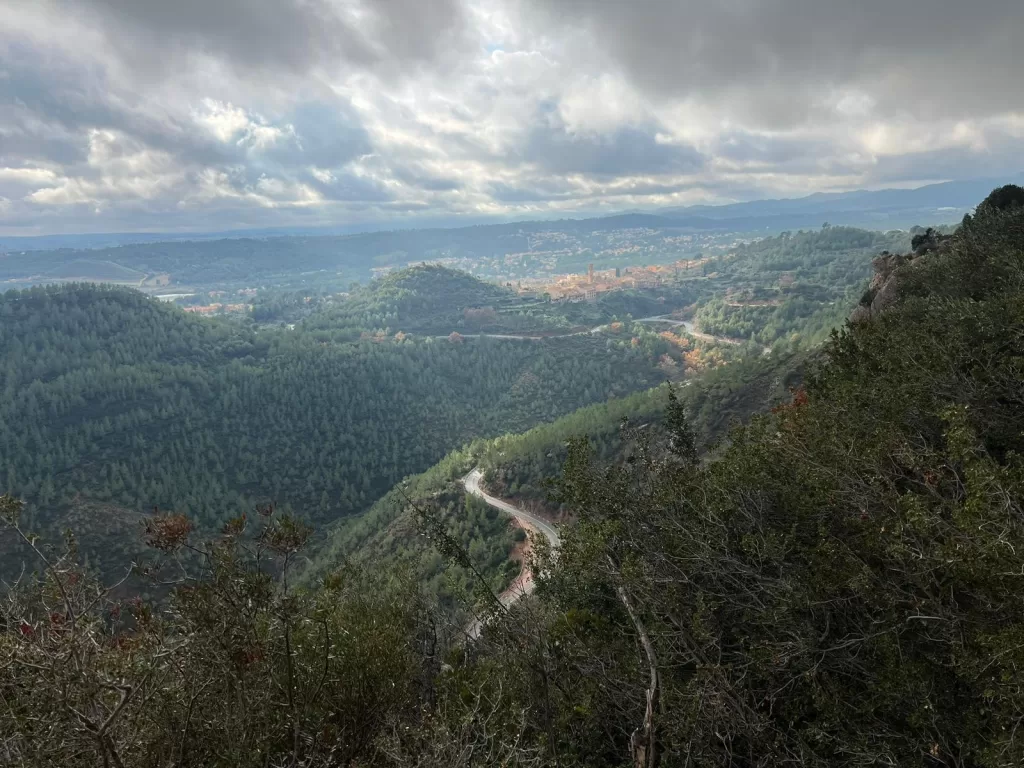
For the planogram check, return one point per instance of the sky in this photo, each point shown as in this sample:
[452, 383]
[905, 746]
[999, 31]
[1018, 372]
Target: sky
[204, 115]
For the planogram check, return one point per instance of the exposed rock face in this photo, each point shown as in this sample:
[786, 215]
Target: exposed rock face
[860, 314]
[885, 287]
[883, 290]
[883, 284]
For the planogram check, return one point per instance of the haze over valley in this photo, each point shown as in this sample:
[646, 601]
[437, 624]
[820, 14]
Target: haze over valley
[544, 384]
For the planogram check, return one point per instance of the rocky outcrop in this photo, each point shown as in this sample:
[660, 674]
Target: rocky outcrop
[885, 287]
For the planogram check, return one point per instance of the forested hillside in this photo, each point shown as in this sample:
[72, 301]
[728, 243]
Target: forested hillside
[838, 585]
[429, 299]
[522, 466]
[797, 283]
[114, 403]
[842, 585]
[425, 299]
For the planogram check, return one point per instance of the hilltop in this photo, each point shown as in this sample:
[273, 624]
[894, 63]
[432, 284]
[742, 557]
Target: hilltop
[435, 300]
[428, 299]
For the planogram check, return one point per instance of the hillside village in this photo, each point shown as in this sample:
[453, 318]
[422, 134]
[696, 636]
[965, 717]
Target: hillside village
[586, 287]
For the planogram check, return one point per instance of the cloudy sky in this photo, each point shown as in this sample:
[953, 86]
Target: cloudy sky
[124, 115]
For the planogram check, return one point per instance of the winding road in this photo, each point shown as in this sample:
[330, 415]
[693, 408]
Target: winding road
[666, 319]
[471, 483]
[524, 336]
[690, 329]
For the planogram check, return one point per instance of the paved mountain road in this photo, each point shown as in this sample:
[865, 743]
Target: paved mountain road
[665, 319]
[471, 483]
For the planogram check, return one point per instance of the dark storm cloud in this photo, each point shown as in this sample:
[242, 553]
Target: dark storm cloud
[33, 80]
[19, 148]
[14, 186]
[45, 102]
[747, 147]
[163, 107]
[323, 134]
[51, 102]
[626, 151]
[344, 187]
[419, 177]
[52, 105]
[532, 191]
[1003, 157]
[794, 154]
[773, 58]
[277, 36]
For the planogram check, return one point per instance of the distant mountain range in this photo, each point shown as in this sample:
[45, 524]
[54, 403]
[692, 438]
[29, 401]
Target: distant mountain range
[950, 198]
[880, 209]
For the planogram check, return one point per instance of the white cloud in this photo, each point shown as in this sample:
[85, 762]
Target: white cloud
[602, 104]
[322, 175]
[33, 176]
[356, 110]
[68, 192]
[225, 122]
[233, 125]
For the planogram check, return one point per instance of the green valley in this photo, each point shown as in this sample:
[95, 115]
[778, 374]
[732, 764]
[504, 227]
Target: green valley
[114, 403]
